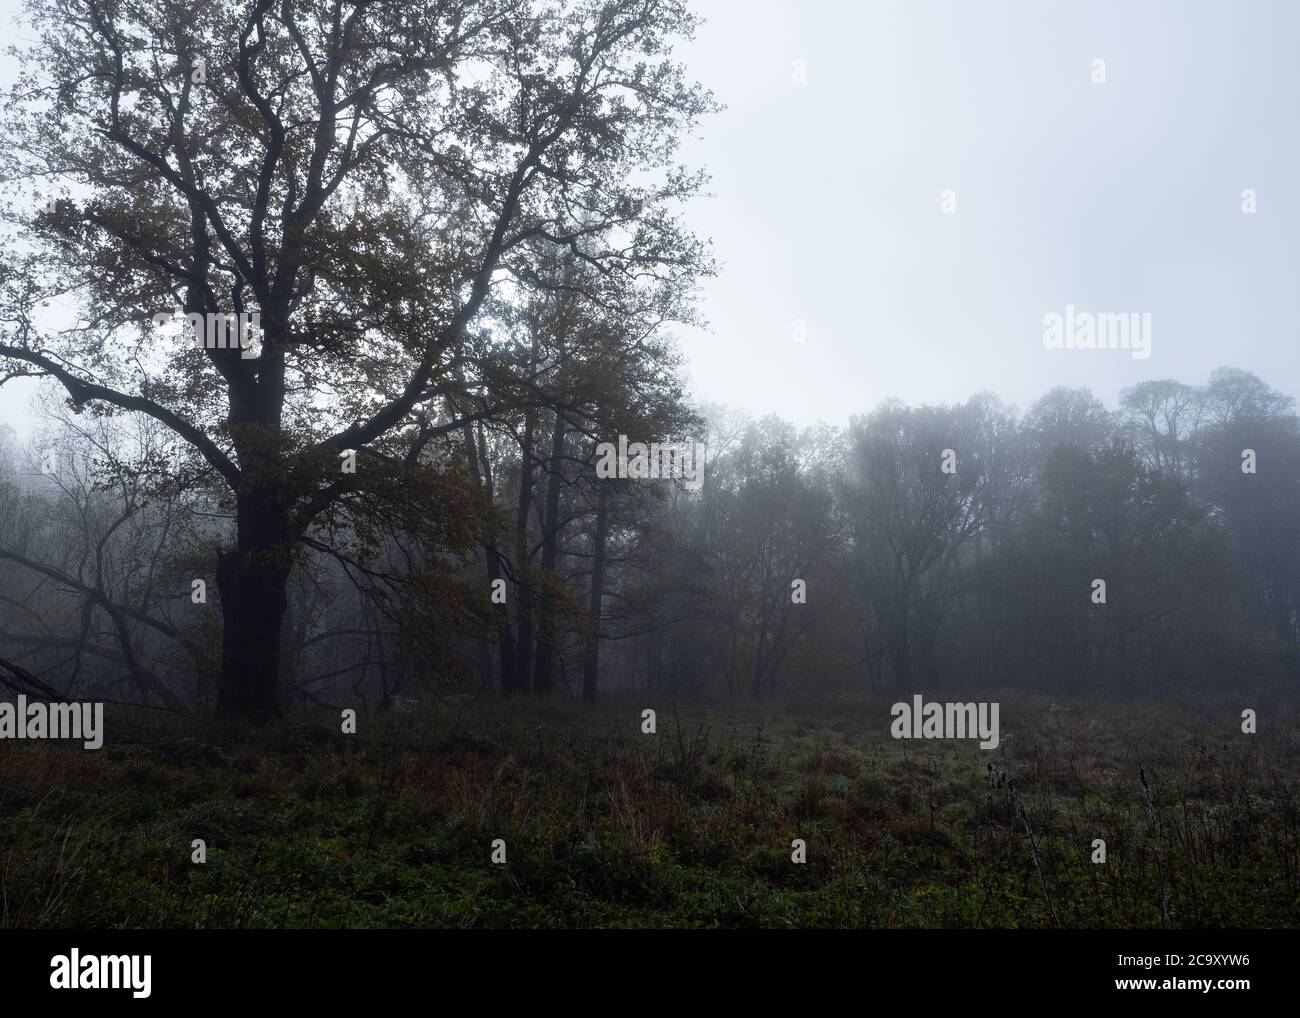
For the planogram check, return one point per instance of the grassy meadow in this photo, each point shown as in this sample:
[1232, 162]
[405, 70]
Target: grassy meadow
[605, 826]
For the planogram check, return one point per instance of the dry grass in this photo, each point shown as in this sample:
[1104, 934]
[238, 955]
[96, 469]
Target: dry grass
[691, 826]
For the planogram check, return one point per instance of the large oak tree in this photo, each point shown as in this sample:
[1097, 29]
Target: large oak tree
[372, 179]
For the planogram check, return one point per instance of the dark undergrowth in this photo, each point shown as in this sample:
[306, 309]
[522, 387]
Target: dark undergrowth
[692, 826]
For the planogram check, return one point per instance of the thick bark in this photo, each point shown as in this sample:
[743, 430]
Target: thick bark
[591, 655]
[253, 578]
[542, 675]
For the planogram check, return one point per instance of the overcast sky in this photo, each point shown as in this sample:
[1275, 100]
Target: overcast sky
[1124, 196]
[1114, 197]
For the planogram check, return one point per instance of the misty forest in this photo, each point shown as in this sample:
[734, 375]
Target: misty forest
[380, 640]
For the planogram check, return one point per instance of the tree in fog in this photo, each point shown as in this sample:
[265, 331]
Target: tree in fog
[909, 523]
[372, 180]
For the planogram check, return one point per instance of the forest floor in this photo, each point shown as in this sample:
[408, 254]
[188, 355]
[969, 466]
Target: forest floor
[693, 826]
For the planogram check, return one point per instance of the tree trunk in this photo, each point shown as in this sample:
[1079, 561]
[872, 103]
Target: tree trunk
[550, 551]
[524, 644]
[253, 579]
[591, 656]
[505, 641]
[483, 649]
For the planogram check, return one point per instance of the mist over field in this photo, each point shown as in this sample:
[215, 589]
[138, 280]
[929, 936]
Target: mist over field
[607, 463]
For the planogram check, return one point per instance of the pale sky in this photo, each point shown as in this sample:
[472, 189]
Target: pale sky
[1115, 197]
[1124, 196]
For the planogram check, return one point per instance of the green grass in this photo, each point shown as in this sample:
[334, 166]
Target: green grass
[605, 826]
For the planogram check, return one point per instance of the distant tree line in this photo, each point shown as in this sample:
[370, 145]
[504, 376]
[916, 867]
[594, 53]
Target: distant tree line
[808, 560]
